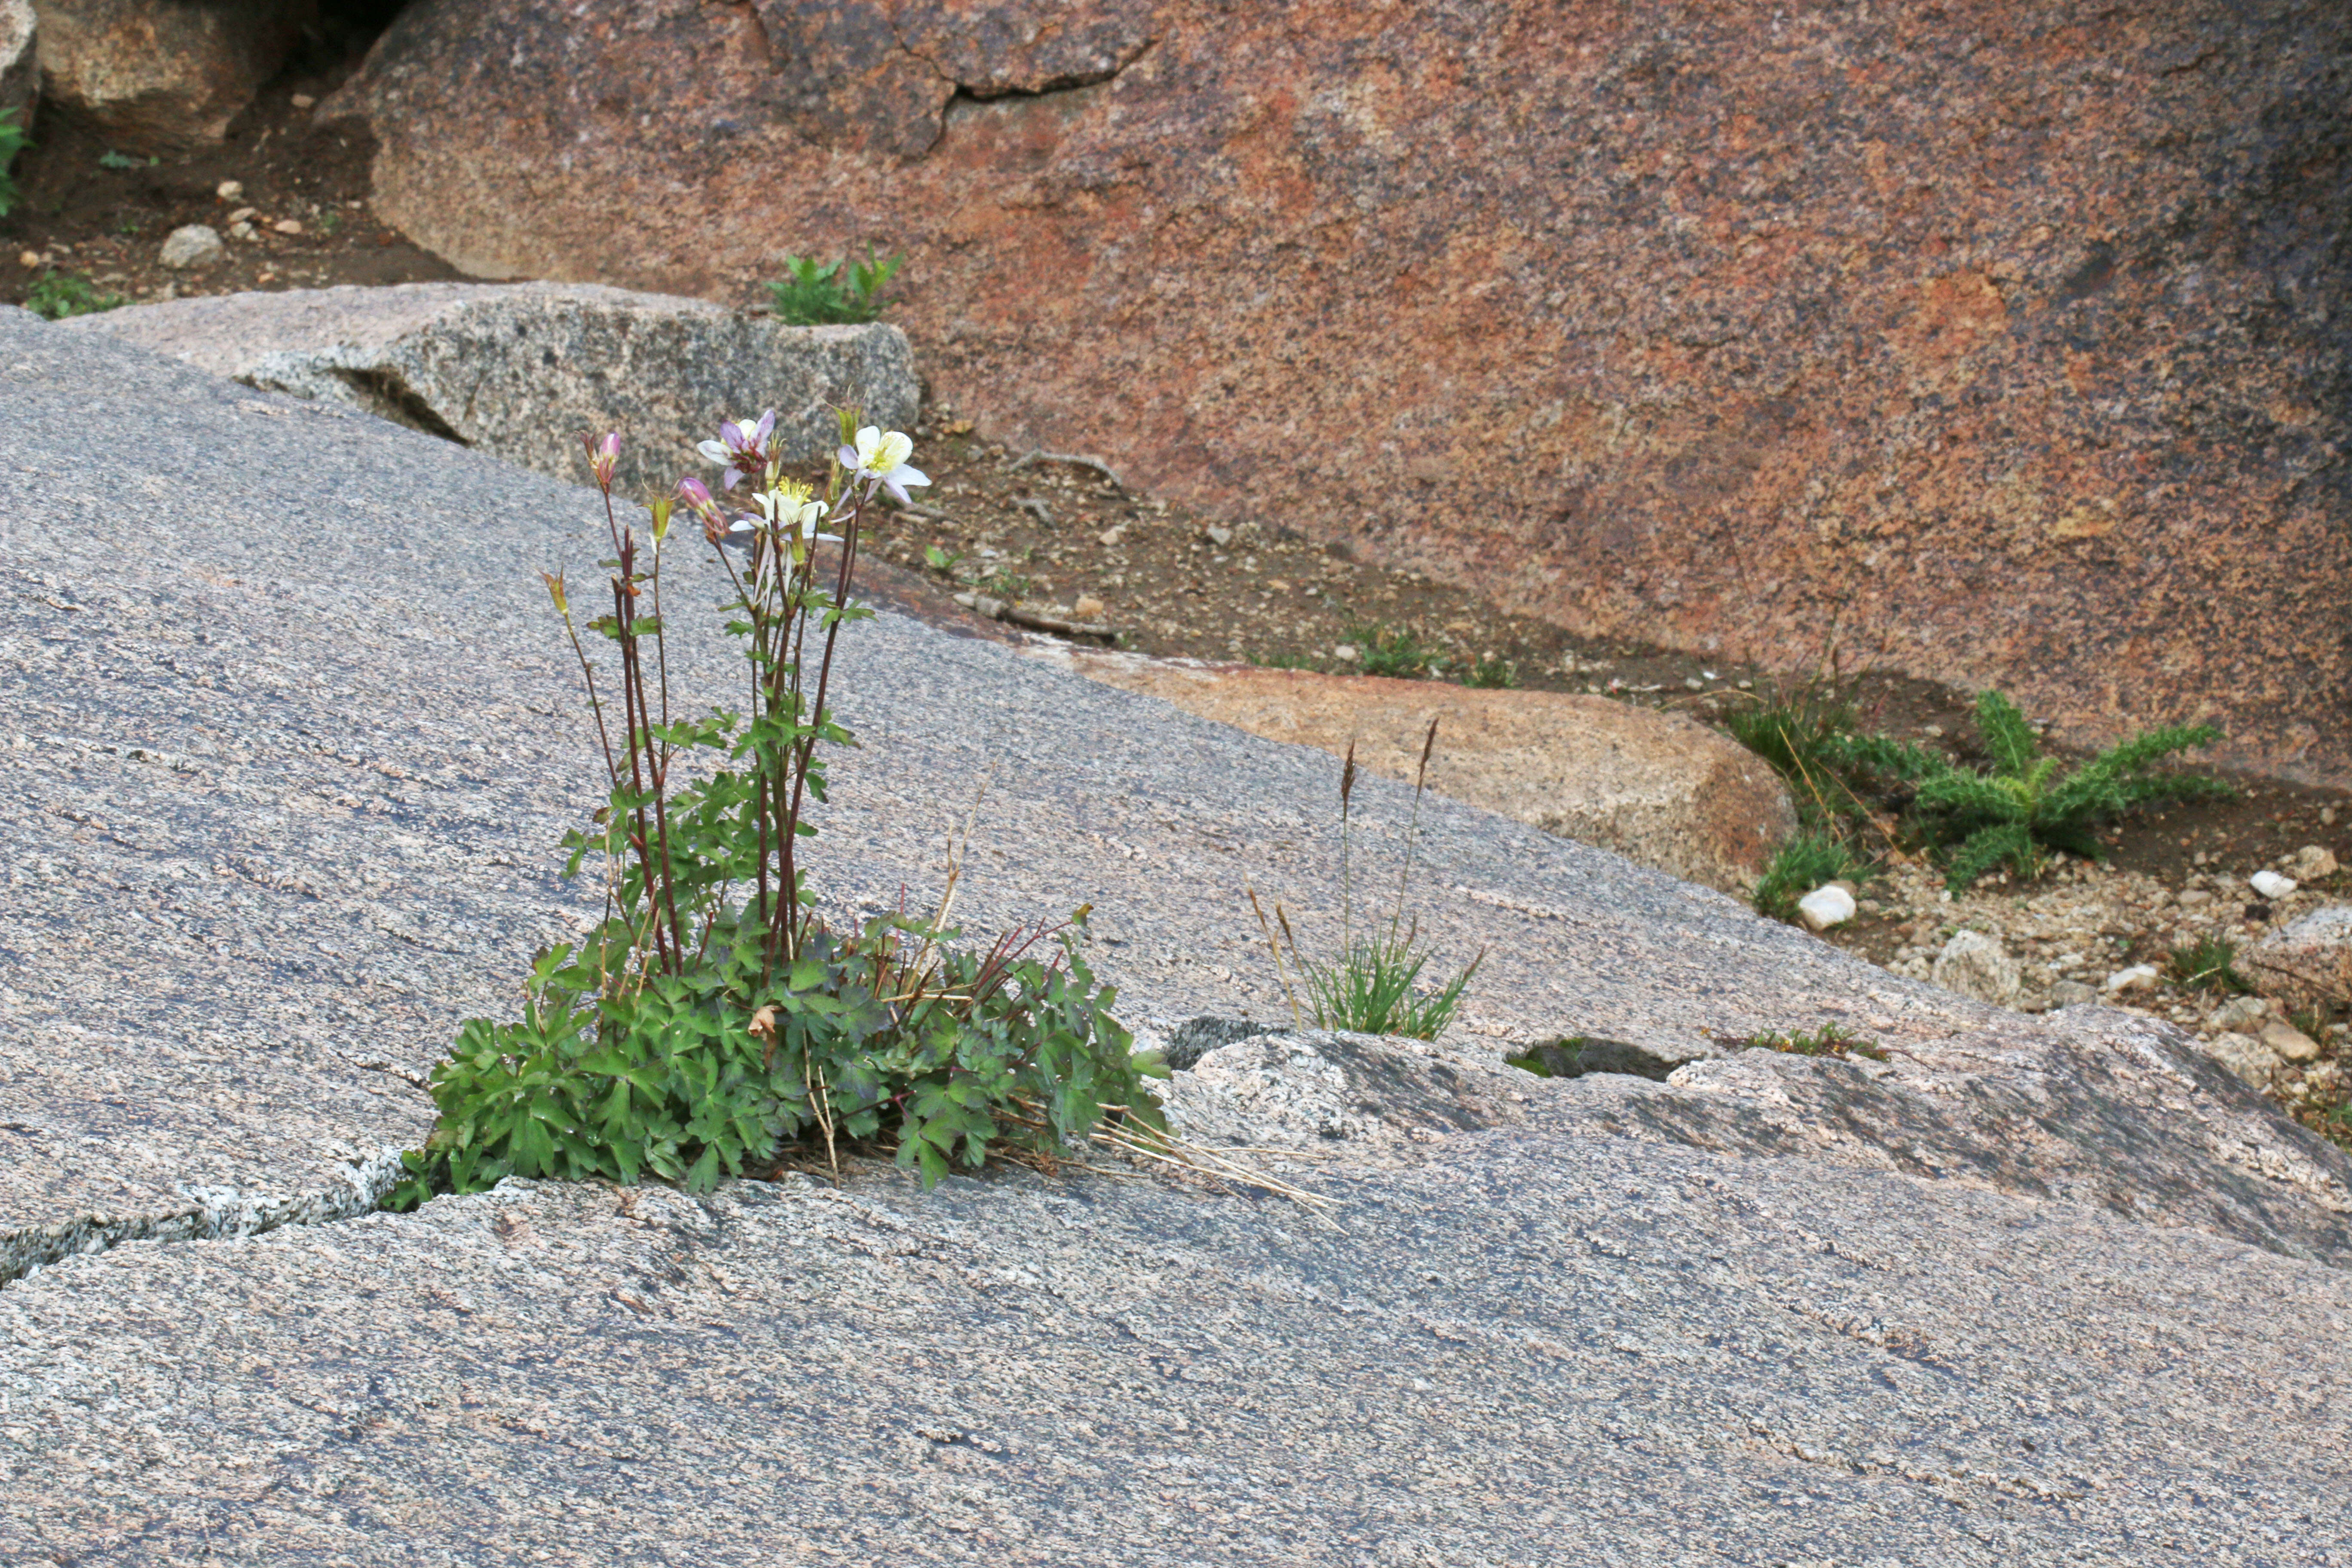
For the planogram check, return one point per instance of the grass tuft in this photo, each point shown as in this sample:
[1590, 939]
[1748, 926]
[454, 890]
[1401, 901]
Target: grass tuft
[1814, 856]
[2207, 965]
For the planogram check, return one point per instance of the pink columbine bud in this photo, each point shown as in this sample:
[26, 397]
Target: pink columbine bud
[602, 454]
[697, 496]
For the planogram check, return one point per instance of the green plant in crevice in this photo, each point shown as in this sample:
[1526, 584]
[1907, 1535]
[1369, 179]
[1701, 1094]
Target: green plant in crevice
[814, 294]
[110, 159]
[1372, 982]
[2207, 963]
[1395, 652]
[2025, 806]
[13, 139]
[1494, 674]
[1829, 1040]
[57, 295]
[1810, 857]
[713, 1018]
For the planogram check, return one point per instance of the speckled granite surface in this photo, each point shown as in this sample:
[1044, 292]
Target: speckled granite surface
[286, 745]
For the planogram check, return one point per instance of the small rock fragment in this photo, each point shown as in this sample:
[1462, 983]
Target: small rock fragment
[1089, 608]
[288, 225]
[304, 100]
[29, 259]
[2241, 1012]
[2246, 1057]
[2139, 978]
[2071, 993]
[1110, 537]
[2291, 1043]
[1220, 536]
[191, 246]
[1826, 906]
[1346, 653]
[1975, 964]
[230, 190]
[2311, 863]
[2306, 962]
[2270, 885]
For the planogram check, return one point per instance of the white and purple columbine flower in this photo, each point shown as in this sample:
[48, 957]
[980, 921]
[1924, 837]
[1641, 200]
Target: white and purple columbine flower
[740, 448]
[879, 459]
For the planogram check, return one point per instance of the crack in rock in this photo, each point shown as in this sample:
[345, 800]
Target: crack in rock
[220, 1214]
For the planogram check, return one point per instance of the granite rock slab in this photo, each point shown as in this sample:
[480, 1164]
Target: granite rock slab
[1661, 789]
[521, 370]
[1523, 1350]
[292, 741]
[288, 744]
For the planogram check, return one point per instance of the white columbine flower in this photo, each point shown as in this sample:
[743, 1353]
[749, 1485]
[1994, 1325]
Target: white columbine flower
[741, 446]
[880, 458]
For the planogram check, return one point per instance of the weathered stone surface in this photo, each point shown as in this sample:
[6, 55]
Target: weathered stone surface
[2008, 340]
[520, 371]
[191, 246]
[1657, 788]
[1975, 964]
[2307, 963]
[2246, 1056]
[282, 784]
[160, 75]
[20, 62]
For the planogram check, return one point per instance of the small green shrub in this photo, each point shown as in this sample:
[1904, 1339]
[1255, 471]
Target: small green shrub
[1492, 674]
[713, 1018]
[1382, 651]
[2012, 816]
[2207, 965]
[110, 159]
[941, 561]
[1372, 982]
[58, 295]
[1829, 1040]
[812, 294]
[13, 140]
[1811, 857]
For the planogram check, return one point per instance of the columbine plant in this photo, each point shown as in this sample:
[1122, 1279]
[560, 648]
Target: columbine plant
[713, 1018]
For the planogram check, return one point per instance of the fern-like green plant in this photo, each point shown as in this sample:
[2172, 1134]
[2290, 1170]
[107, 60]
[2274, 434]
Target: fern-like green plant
[2025, 806]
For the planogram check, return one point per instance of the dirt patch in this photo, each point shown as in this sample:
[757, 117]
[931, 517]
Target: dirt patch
[87, 212]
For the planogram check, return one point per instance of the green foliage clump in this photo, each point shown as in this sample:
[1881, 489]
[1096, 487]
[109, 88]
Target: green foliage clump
[13, 139]
[1803, 731]
[1496, 674]
[813, 294]
[110, 159]
[2024, 807]
[1809, 859]
[713, 1019]
[2207, 963]
[1381, 650]
[58, 295]
[1372, 985]
[1829, 1040]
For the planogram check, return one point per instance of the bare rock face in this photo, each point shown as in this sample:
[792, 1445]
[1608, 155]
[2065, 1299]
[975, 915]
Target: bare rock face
[1975, 964]
[156, 75]
[1659, 789]
[2011, 337]
[20, 64]
[2307, 963]
[520, 371]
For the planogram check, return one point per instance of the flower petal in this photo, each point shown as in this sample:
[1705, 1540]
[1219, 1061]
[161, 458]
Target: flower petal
[712, 451]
